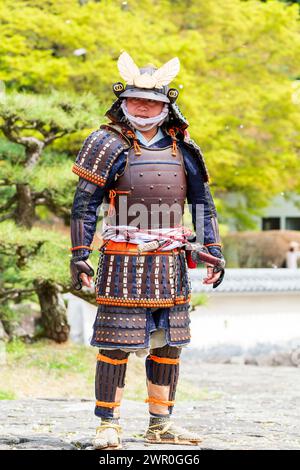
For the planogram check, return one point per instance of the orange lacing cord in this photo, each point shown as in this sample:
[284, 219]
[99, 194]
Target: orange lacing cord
[174, 145]
[137, 148]
[142, 302]
[112, 197]
[107, 404]
[212, 244]
[156, 401]
[164, 360]
[115, 362]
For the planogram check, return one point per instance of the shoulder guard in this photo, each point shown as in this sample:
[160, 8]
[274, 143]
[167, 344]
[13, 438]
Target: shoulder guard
[98, 153]
[191, 145]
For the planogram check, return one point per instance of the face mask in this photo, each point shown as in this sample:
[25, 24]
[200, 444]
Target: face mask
[145, 124]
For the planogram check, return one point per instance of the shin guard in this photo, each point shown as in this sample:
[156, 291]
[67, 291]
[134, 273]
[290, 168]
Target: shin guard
[110, 382]
[162, 369]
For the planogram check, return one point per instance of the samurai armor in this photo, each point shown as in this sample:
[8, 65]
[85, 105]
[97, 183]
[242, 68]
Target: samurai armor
[131, 327]
[153, 185]
[109, 382]
[162, 369]
[99, 152]
[151, 279]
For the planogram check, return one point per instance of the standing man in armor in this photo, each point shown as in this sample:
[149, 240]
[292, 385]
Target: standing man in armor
[141, 167]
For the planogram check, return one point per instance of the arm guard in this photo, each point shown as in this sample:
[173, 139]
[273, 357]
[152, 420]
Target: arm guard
[193, 149]
[97, 164]
[204, 214]
[88, 197]
[199, 193]
[212, 238]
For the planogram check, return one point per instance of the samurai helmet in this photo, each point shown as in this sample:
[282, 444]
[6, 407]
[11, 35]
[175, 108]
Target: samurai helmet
[147, 82]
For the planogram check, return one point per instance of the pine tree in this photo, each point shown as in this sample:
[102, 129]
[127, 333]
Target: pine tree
[32, 178]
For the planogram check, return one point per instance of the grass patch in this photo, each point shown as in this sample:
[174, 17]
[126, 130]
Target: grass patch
[46, 369]
[49, 356]
[16, 349]
[199, 298]
[61, 363]
[7, 395]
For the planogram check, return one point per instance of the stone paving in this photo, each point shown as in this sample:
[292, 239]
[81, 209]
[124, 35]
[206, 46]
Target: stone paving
[247, 407]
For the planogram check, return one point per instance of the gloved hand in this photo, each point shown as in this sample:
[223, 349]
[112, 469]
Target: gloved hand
[82, 273]
[212, 272]
[212, 276]
[217, 269]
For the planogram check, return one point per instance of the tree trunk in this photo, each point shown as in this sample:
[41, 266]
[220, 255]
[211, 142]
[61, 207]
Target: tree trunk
[53, 310]
[25, 211]
[33, 151]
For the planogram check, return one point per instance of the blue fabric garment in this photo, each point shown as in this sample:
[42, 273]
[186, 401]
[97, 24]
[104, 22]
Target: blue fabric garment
[159, 135]
[86, 207]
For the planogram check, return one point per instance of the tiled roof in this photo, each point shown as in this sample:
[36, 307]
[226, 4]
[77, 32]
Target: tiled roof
[250, 280]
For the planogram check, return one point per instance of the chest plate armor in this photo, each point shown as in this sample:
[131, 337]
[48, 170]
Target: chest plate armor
[151, 192]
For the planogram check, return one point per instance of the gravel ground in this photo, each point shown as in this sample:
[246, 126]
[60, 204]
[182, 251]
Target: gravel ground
[248, 407]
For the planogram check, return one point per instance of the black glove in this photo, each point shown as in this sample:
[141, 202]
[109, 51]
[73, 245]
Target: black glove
[215, 251]
[76, 268]
[217, 269]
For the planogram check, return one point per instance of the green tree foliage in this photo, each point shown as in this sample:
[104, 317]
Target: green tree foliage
[28, 272]
[34, 122]
[239, 66]
[34, 266]
[33, 263]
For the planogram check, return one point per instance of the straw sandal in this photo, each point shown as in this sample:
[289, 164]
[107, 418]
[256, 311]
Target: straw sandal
[171, 434]
[108, 436]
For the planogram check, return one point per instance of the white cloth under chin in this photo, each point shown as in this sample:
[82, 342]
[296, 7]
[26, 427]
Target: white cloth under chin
[145, 124]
